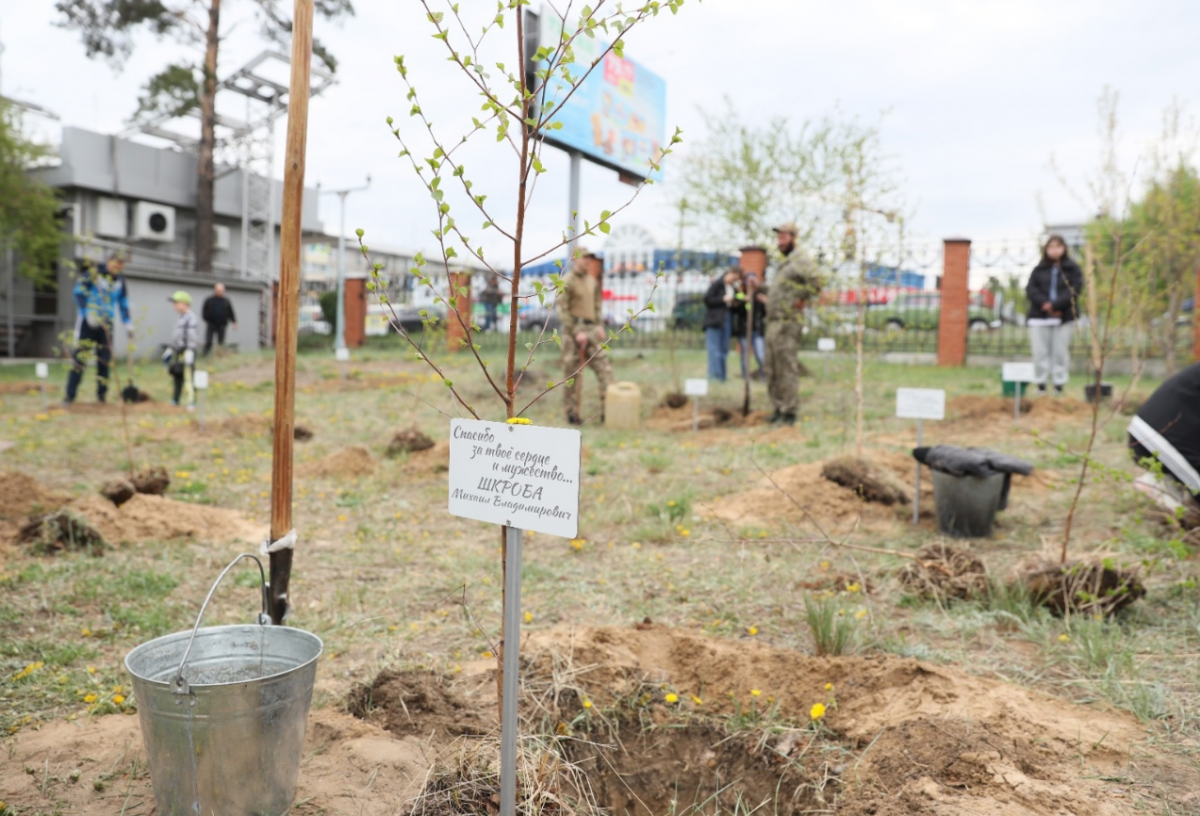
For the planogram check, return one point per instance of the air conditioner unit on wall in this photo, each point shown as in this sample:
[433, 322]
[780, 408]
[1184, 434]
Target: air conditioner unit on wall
[153, 222]
[221, 238]
[112, 218]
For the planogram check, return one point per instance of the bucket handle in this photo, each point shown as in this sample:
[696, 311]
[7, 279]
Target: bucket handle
[178, 684]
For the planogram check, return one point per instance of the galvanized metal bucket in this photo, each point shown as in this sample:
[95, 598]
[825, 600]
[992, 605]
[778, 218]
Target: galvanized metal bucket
[223, 712]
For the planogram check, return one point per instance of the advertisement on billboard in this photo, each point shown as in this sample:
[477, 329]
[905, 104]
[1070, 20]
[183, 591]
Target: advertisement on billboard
[617, 117]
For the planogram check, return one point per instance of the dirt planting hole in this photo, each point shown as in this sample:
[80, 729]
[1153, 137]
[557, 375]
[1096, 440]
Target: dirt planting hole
[694, 769]
[420, 703]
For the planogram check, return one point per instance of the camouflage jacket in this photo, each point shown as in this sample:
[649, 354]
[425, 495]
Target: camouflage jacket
[581, 302]
[795, 284]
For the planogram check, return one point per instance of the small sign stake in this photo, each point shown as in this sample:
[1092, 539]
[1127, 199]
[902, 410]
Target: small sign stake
[920, 404]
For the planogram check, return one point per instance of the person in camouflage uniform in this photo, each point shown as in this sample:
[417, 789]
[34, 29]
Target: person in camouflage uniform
[580, 310]
[794, 285]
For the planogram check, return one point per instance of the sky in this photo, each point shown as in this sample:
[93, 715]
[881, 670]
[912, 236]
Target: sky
[975, 97]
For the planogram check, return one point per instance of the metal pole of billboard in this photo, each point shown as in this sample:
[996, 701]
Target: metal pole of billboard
[573, 214]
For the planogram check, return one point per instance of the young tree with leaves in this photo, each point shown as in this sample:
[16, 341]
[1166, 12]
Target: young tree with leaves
[108, 27]
[27, 207]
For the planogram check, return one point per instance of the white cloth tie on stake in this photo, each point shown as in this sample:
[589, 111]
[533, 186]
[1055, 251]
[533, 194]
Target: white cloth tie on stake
[288, 542]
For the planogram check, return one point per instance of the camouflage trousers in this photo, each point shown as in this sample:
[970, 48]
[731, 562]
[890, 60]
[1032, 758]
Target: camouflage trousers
[783, 370]
[570, 362]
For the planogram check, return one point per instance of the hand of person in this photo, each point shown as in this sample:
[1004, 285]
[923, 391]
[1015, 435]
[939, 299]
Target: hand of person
[761, 298]
[581, 338]
[129, 330]
[234, 326]
[1047, 307]
[600, 335]
[729, 300]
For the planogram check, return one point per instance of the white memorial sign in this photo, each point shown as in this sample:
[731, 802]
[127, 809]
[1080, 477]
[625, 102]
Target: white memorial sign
[200, 380]
[920, 403]
[341, 355]
[42, 369]
[521, 476]
[826, 344]
[1017, 372]
[695, 388]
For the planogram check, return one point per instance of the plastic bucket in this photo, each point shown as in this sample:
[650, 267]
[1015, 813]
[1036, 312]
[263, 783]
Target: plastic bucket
[223, 712]
[623, 407]
[967, 505]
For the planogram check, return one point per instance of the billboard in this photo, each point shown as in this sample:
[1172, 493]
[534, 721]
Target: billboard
[617, 116]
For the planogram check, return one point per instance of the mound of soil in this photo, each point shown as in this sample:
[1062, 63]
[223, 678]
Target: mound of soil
[351, 462]
[920, 738]
[679, 420]
[152, 482]
[417, 702]
[430, 462]
[864, 480]
[675, 400]
[155, 518]
[22, 495]
[409, 441]
[1093, 585]
[943, 571]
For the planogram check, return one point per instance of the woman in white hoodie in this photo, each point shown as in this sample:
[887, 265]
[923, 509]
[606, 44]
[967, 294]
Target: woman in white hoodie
[180, 357]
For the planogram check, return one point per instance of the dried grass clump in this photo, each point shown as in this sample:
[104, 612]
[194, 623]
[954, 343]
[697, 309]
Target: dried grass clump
[942, 571]
[62, 530]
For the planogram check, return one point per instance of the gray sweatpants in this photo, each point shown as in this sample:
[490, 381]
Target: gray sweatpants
[1051, 353]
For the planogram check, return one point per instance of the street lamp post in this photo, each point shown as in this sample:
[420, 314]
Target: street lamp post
[339, 342]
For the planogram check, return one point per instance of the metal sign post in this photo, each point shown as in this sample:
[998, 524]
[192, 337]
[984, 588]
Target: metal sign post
[920, 404]
[524, 478]
[200, 383]
[695, 389]
[43, 372]
[1018, 374]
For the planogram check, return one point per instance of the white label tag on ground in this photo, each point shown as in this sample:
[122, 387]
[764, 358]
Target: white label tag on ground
[1017, 372]
[695, 388]
[524, 476]
[826, 344]
[200, 380]
[920, 403]
[341, 355]
[42, 369]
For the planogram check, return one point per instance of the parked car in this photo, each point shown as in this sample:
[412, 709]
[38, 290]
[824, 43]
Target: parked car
[532, 316]
[413, 322]
[923, 310]
[688, 312]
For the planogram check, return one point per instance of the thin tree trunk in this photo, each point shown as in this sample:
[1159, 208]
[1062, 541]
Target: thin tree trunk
[208, 119]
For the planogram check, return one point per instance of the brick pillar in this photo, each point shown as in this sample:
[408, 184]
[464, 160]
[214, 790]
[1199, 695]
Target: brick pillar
[355, 312]
[1196, 325]
[754, 261]
[460, 289]
[952, 325]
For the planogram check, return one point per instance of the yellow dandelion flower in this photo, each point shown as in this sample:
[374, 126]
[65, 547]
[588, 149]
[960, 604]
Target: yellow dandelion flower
[670, 504]
[755, 693]
[697, 700]
[829, 686]
[1064, 638]
[860, 614]
[587, 703]
[118, 699]
[685, 533]
[672, 699]
[752, 631]
[853, 587]
[817, 711]
[182, 474]
[577, 544]
[529, 617]
[488, 653]
[637, 545]
[520, 421]
[91, 698]
[86, 632]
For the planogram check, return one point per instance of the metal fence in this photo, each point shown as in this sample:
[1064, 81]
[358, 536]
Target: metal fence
[896, 289]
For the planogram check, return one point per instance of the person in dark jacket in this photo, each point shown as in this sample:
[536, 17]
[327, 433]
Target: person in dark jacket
[718, 320]
[1167, 428]
[490, 297]
[218, 315]
[99, 294]
[753, 289]
[1053, 291]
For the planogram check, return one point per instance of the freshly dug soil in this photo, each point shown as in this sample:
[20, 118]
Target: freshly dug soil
[118, 491]
[942, 571]
[410, 440]
[22, 495]
[152, 482]
[859, 476]
[419, 703]
[64, 529]
[1093, 585]
[679, 420]
[155, 518]
[349, 462]
[431, 462]
[675, 400]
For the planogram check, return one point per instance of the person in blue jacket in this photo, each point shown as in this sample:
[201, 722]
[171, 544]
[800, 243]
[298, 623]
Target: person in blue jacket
[99, 294]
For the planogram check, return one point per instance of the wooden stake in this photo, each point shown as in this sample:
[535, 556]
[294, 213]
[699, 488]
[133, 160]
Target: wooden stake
[289, 305]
